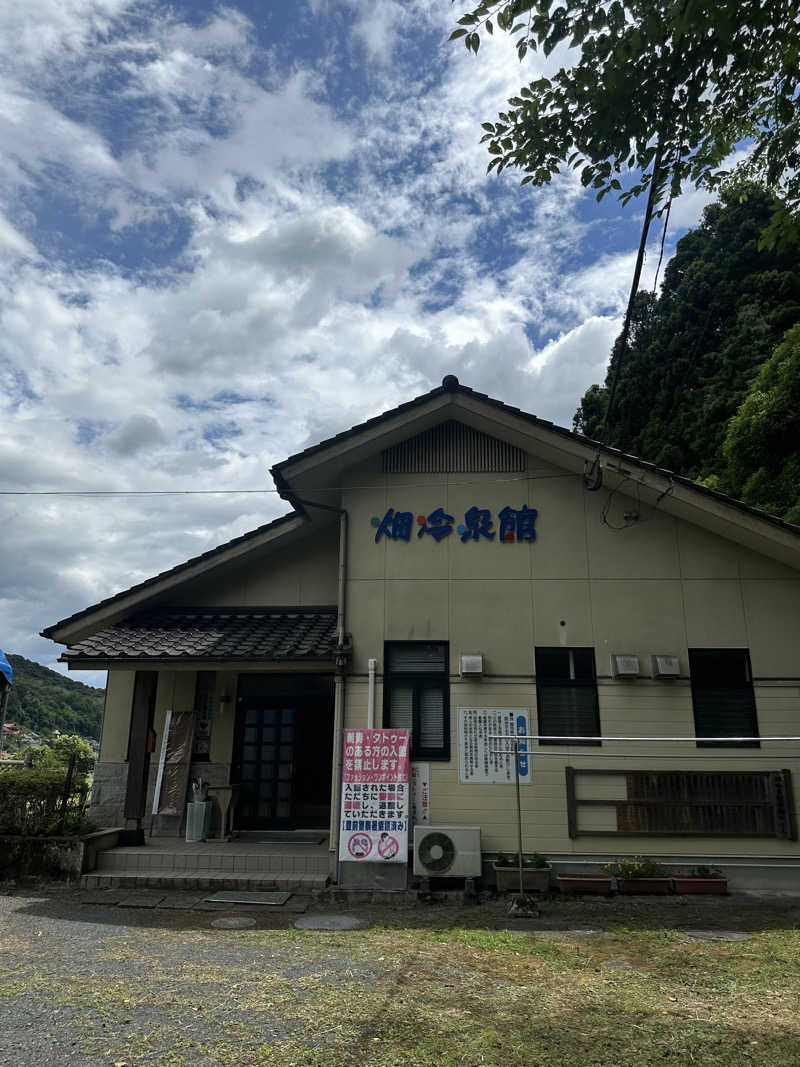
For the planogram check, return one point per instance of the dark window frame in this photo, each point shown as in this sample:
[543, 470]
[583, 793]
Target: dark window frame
[417, 681]
[700, 688]
[543, 682]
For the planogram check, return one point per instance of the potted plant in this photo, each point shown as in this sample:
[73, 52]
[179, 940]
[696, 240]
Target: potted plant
[536, 872]
[585, 883]
[700, 880]
[639, 874]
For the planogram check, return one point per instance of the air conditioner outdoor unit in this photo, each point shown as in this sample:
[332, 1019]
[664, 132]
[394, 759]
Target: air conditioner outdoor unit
[447, 851]
[624, 665]
[662, 666]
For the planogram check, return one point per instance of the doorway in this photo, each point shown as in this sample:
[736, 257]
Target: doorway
[283, 751]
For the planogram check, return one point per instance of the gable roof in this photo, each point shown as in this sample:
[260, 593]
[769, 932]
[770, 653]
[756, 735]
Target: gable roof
[222, 553]
[452, 387]
[676, 494]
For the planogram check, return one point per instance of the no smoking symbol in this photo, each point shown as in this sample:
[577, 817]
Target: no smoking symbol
[388, 847]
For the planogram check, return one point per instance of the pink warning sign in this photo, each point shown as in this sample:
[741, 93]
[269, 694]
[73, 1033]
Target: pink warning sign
[375, 796]
[375, 756]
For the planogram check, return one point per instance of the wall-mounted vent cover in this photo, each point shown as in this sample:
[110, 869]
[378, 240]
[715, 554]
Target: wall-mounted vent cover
[471, 664]
[452, 448]
[663, 666]
[624, 665]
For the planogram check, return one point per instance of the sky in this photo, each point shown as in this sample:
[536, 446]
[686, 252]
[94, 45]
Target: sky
[230, 231]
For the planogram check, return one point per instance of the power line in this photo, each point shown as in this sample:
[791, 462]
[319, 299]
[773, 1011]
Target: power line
[243, 492]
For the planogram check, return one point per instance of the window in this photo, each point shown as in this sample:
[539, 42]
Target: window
[566, 695]
[722, 696]
[416, 695]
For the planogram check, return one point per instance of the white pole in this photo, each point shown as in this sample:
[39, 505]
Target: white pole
[371, 665]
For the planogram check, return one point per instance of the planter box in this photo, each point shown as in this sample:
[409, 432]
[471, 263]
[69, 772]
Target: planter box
[585, 883]
[57, 858]
[688, 884]
[644, 885]
[534, 879]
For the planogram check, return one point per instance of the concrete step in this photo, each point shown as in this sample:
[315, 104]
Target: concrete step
[177, 880]
[216, 861]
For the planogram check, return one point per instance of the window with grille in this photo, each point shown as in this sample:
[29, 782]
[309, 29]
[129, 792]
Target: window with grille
[416, 695]
[566, 695]
[722, 696]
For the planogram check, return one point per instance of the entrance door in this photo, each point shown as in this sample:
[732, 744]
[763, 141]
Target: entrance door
[283, 751]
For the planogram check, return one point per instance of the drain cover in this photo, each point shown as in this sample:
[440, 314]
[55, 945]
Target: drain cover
[327, 922]
[234, 922]
[239, 896]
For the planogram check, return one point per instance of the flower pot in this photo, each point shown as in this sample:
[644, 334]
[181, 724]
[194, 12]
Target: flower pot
[534, 879]
[644, 885]
[687, 884]
[584, 883]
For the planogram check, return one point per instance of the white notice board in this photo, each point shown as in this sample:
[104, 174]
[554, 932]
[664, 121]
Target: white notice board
[480, 761]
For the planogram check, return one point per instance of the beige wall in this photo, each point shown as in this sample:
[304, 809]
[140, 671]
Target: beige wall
[304, 573]
[660, 585]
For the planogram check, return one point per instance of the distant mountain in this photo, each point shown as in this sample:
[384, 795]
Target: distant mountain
[42, 700]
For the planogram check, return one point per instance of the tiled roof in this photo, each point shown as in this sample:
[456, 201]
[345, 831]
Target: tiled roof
[450, 384]
[214, 634]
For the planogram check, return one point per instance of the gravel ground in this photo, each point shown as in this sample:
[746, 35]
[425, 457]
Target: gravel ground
[93, 984]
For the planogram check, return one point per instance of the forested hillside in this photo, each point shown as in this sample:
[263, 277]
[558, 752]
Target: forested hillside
[43, 700]
[710, 385]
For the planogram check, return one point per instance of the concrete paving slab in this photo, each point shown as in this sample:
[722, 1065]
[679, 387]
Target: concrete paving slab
[140, 900]
[102, 896]
[179, 903]
[716, 935]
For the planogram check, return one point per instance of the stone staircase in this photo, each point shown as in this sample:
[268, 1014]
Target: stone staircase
[164, 863]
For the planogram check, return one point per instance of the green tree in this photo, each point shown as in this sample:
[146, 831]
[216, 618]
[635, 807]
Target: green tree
[697, 351]
[658, 92]
[762, 443]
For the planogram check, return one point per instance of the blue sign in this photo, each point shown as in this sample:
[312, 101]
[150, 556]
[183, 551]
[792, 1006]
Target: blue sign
[516, 524]
[6, 669]
[522, 746]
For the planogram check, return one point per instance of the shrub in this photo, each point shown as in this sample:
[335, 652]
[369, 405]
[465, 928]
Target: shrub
[635, 867]
[30, 801]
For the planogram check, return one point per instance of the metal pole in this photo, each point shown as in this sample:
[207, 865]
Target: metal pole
[519, 817]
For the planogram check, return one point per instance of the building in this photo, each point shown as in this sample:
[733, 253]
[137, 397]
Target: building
[593, 594]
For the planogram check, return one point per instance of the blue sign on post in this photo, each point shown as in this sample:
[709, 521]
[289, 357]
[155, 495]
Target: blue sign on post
[522, 746]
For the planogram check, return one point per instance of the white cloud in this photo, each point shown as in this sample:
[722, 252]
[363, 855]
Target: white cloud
[342, 254]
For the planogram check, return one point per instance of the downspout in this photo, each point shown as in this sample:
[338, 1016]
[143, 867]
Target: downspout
[342, 656]
[371, 665]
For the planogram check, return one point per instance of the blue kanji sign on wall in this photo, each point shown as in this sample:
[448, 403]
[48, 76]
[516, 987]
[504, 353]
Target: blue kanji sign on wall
[515, 524]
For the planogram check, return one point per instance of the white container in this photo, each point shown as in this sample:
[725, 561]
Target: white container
[197, 815]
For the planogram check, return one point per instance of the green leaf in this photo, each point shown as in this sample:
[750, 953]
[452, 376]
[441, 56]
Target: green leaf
[489, 27]
[488, 126]
[455, 34]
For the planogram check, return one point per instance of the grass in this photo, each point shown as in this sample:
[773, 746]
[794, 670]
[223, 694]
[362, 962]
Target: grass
[446, 994]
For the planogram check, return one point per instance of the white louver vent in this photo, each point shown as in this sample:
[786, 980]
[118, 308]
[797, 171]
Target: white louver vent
[452, 448]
